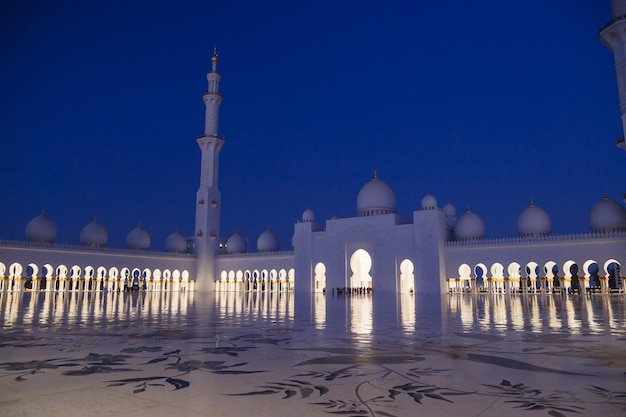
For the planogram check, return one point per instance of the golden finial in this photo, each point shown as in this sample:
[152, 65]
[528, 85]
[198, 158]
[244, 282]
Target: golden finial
[375, 174]
[214, 58]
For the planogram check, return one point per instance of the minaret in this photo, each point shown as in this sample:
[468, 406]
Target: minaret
[613, 36]
[208, 197]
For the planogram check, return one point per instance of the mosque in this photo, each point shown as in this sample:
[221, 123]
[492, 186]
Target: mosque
[434, 251]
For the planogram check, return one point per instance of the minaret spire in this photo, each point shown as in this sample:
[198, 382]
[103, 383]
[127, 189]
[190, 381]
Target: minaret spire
[208, 196]
[214, 59]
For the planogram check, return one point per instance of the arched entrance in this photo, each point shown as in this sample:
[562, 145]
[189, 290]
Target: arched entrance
[320, 277]
[406, 276]
[361, 265]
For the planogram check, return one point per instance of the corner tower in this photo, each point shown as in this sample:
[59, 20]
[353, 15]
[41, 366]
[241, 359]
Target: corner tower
[208, 197]
[613, 36]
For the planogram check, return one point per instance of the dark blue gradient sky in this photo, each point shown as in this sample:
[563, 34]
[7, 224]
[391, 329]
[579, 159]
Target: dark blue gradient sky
[484, 103]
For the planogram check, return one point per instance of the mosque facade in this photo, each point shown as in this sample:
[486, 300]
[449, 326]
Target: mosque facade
[434, 251]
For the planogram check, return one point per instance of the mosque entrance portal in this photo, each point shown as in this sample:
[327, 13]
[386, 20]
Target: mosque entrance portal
[360, 265]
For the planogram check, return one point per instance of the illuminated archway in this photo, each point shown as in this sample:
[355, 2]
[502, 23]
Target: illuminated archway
[407, 276]
[320, 277]
[361, 265]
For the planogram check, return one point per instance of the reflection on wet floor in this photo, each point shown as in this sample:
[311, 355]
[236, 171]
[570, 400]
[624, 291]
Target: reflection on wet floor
[272, 354]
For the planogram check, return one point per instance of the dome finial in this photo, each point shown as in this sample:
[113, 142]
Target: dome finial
[606, 197]
[375, 174]
[532, 202]
[468, 207]
[214, 57]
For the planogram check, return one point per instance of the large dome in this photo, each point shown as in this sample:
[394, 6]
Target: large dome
[376, 197]
[41, 229]
[236, 244]
[176, 242]
[533, 222]
[267, 241]
[607, 216]
[94, 235]
[138, 239]
[469, 227]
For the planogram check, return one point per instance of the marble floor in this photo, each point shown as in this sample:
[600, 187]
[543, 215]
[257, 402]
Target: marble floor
[268, 354]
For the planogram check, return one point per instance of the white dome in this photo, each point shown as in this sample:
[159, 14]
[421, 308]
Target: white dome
[449, 210]
[236, 244]
[308, 216]
[94, 234]
[533, 221]
[176, 242]
[376, 197]
[429, 202]
[41, 229]
[607, 216]
[469, 227]
[138, 239]
[267, 241]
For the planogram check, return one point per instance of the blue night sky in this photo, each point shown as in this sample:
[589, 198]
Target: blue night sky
[484, 103]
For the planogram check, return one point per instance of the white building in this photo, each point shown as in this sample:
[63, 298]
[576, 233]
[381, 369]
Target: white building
[431, 252]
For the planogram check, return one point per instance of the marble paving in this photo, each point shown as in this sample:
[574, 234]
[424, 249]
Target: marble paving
[267, 354]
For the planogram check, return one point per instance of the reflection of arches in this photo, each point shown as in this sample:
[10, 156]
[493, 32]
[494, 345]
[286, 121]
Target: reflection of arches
[407, 276]
[320, 277]
[361, 265]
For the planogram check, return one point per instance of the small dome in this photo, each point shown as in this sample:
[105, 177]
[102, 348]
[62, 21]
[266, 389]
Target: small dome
[449, 212]
[236, 244]
[267, 241]
[41, 229]
[469, 227]
[607, 216]
[308, 216]
[138, 239]
[176, 242]
[376, 197]
[534, 221]
[429, 202]
[94, 235]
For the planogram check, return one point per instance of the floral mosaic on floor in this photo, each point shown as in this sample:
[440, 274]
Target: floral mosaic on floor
[388, 373]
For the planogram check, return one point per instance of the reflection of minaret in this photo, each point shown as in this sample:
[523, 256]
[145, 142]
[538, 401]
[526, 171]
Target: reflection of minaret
[208, 195]
[613, 36]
